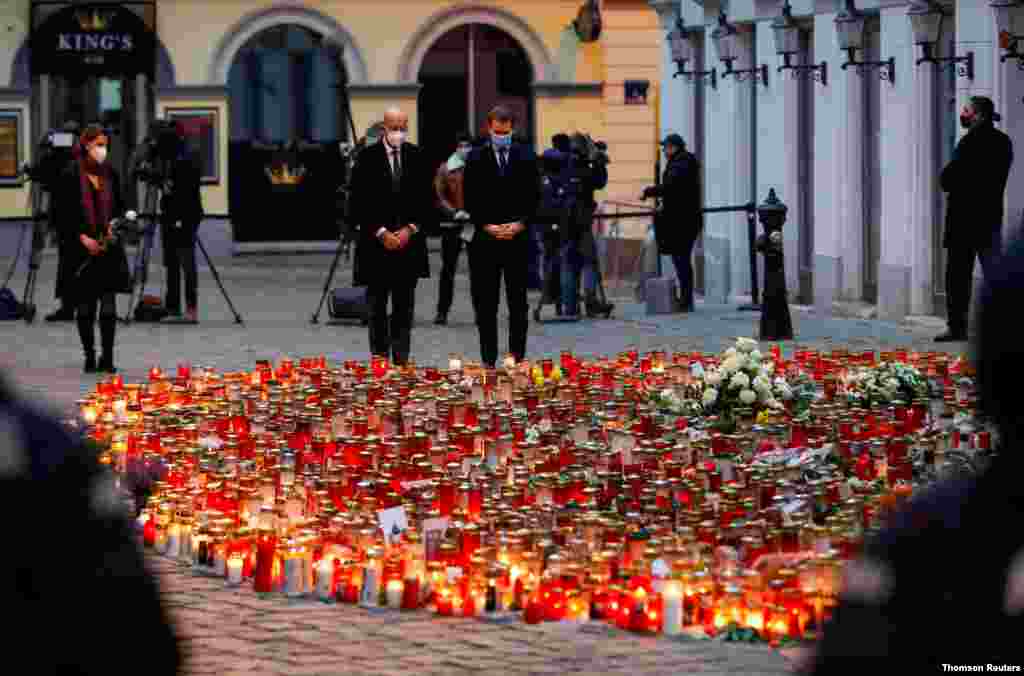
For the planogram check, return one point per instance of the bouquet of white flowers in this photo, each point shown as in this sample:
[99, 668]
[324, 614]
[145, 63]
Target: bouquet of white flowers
[885, 383]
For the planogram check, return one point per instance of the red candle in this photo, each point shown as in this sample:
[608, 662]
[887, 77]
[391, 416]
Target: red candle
[266, 547]
[411, 594]
[444, 603]
[534, 611]
[149, 532]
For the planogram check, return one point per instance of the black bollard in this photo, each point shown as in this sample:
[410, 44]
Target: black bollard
[776, 323]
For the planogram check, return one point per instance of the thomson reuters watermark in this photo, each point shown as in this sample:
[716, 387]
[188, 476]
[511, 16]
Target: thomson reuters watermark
[983, 668]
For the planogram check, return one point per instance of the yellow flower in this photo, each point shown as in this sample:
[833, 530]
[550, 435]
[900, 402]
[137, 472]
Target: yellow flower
[763, 417]
[556, 374]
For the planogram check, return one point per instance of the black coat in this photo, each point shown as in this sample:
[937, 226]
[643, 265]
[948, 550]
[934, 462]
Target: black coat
[183, 204]
[493, 199]
[75, 558]
[679, 222]
[377, 203]
[107, 272]
[976, 182]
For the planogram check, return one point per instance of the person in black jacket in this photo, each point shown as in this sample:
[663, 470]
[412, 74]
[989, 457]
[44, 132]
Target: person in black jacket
[502, 191]
[88, 199]
[976, 182]
[943, 583]
[181, 211]
[392, 203]
[678, 224]
[75, 574]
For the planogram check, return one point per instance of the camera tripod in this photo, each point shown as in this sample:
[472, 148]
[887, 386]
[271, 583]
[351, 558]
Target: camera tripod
[344, 243]
[38, 221]
[140, 274]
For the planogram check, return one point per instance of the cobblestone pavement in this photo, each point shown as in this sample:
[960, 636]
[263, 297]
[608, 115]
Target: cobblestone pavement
[233, 631]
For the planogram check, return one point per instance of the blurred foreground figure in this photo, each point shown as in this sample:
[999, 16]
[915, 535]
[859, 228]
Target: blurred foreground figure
[77, 596]
[944, 582]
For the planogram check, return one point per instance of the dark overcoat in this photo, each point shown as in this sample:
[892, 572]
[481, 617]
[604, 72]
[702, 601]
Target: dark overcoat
[679, 221]
[975, 180]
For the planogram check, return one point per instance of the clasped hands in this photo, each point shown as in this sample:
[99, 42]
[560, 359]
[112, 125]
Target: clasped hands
[94, 247]
[395, 241]
[505, 230]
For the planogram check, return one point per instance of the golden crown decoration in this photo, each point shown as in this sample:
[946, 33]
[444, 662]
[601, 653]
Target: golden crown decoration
[94, 20]
[283, 175]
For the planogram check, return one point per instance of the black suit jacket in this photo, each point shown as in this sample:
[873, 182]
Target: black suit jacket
[493, 198]
[184, 201]
[377, 203]
[976, 182]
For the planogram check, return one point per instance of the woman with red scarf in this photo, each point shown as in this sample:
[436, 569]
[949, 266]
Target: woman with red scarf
[90, 198]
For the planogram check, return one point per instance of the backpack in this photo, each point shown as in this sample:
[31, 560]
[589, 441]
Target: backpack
[554, 200]
[10, 308]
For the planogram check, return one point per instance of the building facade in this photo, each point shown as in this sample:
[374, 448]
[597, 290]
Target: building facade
[855, 157]
[254, 76]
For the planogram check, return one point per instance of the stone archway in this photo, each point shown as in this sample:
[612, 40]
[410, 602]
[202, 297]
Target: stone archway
[256, 22]
[448, 19]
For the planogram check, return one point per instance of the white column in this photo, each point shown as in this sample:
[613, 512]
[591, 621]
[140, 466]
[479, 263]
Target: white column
[742, 98]
[850, 214]
[676, 102]
[719, 174]
[1009, 93]
[908, 196]
[829, 167]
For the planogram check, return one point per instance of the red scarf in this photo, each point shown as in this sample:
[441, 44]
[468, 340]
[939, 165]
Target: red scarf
[97, 212]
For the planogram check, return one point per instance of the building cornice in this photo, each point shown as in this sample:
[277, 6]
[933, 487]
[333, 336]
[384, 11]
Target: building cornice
[189, 92]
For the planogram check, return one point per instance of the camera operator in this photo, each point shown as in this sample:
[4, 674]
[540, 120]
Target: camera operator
[181, 211]
[587, 173]
[452, 201]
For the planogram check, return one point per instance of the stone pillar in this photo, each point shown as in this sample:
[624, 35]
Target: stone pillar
[850, 214]
[742, 97]
[829, 167]
[1009, 93]
[719, 174]
[908, 133]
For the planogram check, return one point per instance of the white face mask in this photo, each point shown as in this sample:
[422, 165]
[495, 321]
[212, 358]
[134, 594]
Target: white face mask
[396, 138]
[99, 154]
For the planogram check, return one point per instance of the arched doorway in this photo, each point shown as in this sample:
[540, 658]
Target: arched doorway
[465, 73]
[287, 123]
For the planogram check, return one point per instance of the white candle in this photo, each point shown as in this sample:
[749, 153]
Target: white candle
[220, 561]
[173, 540]
[370, 596]
[672, 609]
[293, 575]
[325, 579]
[185, 548]
[235, 564]
[510, 362]
[454, 364]
[394, 593]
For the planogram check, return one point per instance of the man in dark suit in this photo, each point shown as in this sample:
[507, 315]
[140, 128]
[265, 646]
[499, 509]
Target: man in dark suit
[392, 201]
[502, 188]
[976, 182]
[678, 224]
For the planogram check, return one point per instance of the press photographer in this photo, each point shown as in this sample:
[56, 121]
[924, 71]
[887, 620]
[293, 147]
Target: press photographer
[587, 172]
[167, 165]
[57, 152]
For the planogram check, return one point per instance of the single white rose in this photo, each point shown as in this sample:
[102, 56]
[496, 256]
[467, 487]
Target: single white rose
[892, 384]
[761, 384]
[739, 381]
[765, 396]
[710, 396]
[748, 397]
[713, 378]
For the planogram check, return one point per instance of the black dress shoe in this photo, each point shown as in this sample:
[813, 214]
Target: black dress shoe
[90, 362]
[951, 337]
[441, 320]
[61, 315]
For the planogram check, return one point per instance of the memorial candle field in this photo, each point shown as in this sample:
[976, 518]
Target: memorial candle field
[572, 490]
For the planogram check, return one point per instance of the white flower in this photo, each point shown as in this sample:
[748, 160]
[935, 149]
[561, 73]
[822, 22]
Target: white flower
[765, 396]
[748, 397]
[762, 384]
[756, 356]
[668, 393]
[746, 344]
[767, 369]
[779, 382]
[713, 378]
[892, 384]
[710, 396]
[739, 381]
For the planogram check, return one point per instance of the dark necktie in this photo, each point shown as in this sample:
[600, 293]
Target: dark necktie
[503, 160]
[396, 166]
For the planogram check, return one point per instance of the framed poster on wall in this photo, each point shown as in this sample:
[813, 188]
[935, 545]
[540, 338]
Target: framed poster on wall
[10, 146]
[201, 131]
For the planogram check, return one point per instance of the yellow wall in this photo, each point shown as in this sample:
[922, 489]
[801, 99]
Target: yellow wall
[14, 200]
[215, 197]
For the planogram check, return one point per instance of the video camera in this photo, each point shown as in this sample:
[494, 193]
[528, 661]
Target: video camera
[158, 150]
[55, 155]
[585, 148]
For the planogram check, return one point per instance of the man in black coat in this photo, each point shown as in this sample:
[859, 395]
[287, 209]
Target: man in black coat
[944, 581]
[392, 201]
[502, 188]
[181, 212]
[976, 182]
[679, 221]
[74, 572]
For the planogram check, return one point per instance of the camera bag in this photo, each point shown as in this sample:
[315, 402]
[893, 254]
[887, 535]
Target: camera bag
[349, 303]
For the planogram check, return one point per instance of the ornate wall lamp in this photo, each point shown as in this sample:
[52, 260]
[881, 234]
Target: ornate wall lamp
[1009, 15]
[926, 23]
[727, 45]
[682, 51]
[787, 43]
[850, 35]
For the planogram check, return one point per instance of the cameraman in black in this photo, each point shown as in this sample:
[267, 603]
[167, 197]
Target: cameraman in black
[181, 212]
[587, 172]
[57, 156]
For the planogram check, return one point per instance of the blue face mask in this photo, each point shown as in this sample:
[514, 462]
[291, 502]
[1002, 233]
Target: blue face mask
[501, 140]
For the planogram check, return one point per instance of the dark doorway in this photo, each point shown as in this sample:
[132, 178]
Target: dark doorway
[467, 72]
[287, 124]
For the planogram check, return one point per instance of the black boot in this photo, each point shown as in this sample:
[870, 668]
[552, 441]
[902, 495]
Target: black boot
[596, 308]
[87, 334]
[108, 328]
